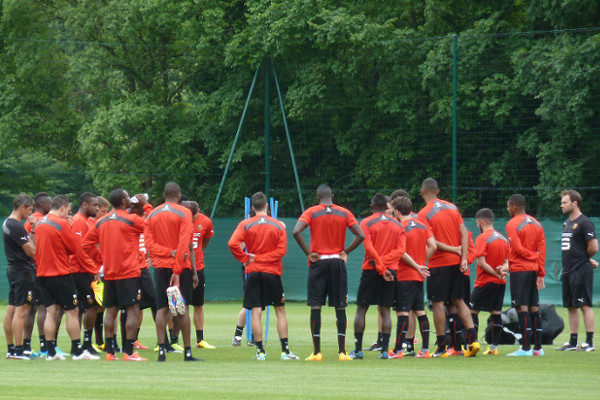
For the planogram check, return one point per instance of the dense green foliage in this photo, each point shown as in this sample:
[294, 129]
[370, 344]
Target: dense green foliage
[136, 93]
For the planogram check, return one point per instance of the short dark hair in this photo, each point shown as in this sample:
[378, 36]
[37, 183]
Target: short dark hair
[116, 197]
[60, 201]
[379, 202]
[22, 200]
[399, 193]
[517, 200]
[485, 214]
[86, 197]
[259, 201]
[429, 185]
[171, 189]
[41, 198]
[403, 205]
[323, 192]
[573, 196]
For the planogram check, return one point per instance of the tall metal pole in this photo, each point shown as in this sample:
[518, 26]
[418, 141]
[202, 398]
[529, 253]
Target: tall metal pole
[237, 135]
[454, 111]
[289, 140]
[267, 128]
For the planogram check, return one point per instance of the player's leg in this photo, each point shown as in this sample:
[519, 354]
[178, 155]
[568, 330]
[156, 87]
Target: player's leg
[317, 292]
[257, 328]
[239, 328]
[50, 327]
[8, 332]
[110, 314]
[89, 321]
[28, 329]
[588, 321]
[386, 328]
[40, 319]
[424, 329]
[18, 326]
[359, 329]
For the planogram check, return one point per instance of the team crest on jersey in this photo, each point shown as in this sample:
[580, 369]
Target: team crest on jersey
[74, 299]
[29, 296]
[199, 226]
[114, 216]
[575, 225]
[328, 210]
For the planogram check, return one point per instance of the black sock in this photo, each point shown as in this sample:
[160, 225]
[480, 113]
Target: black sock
[471, 336]
[26, 344]
[109, 346]
[441, 343]
[87, 339]
[123, 329]
[19, 350]
[496, 329]
[11, 349]
[43, 347]
[536, 325]
[76, 347]
[424, 328]
[410, 343]
[358, 339]
[99, 327]
[385, 343]
[573, 339]
[259, 347]
[476, 324]
[589, 338]
[315, 329]
[401, 329]
[379, 338]
[452, 324]
[128, 348]
[341, 323]
[285, 347]
[525, 329]
[187, 352]
[239, 330]
[137, 334]
[174, 339]
[114, 342]
[51, 346]
[199, 335]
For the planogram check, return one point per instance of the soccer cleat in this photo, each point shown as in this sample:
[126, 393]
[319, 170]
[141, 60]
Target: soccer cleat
[138, 345]
[260, 357]
[192, 358]
[56, 357]
[344, 357]
[384, 355]
[85, 355]
[586, 347]
[395, 355]
[43, 354]
[566, 347]
[423, 353]
[539, 352]
[133, 357]
[177, 347]
[10, 356]
[111, 357]
[90, 349]
[176, 301]
[440, 354]
[62, 353]
[409, 353]
[21, 357]
[374, 347]
[236, 341]
[453, 352]
[98, 288]
[521, 353]
[162, 357]
[314, 357]
[203, 344]
[289, 356]
[31, 353]
[99, 347]
[472, 349]
[356, 355]
[491, 352]
[250, 343]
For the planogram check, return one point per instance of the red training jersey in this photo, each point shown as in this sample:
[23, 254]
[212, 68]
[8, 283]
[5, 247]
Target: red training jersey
[81, 262]
[264, 237]
[494, 248]
[417, 233]
[169, 227]
[527, 244]
[202, 228]
[385, 242]
[118, 234]
[37, 215]
[54, 242]
[328, 225]
[445, 220]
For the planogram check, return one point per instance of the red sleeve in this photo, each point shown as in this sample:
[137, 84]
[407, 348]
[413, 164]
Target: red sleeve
[27, 227]
[350, 219]
[209, 229]
[396, 254]
[69, 239]
[370, 249]
[306, 217]
[276, 254]
[480, 247]
[517, 246]
[82, 257]
[236, 241]
[183, 246]
[148, 208]
[89, 245]
[152, 246]
[541, 248]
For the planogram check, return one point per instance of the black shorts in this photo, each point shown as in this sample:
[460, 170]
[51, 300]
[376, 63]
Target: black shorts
[58, 290]
[85, 294]
[263, 289]
[577, 287]
[445, 283]
[162, 279]
[328, 278]
[523, 289]
[244, 279]
[374, 290]
[121, 292]
[198, 293]
[148, 291]
[21, 286]
[409, 296]
[489, 297]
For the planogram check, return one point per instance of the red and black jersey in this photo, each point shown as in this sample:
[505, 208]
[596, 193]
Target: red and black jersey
[417, 233]
[494, 248]
[328, 225]
[384, 242]
[527, 244]
[265, 237]
[202, 228]
[81, 262]
[445, 220]
[54, 242]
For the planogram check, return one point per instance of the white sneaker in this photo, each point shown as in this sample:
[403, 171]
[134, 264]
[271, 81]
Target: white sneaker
[289, 356]
[586, 347]
[57, 357]
[85, 355]
[176, 301]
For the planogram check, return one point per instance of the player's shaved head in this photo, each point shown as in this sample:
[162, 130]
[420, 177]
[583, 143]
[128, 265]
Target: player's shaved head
[399, 193]
[171, 190]
[517, 200]
[117, 198]
[429, 185]
[379, 202]
[324, 193]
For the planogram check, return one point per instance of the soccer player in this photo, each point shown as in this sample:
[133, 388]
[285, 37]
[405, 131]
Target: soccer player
[55, 241]
[490, 283]
[526, 265]
[384, 243]
[202, 232]
[579, 244]
[85, 270]
[327, 276]
[103, 206]
[412, 272]
[446, 268]
[266, 244]
[167, 235]
[19, 248]
[118, 236]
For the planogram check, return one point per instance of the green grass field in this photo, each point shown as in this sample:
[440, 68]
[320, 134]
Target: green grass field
[230, 372]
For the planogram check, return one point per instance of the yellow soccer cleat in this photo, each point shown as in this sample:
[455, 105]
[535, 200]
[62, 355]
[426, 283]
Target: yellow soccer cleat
[344, 357]
[203, 344]
[472, 349]
[491, 352]
[314, 357]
